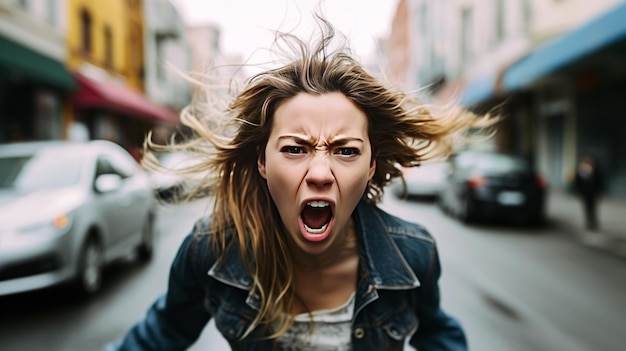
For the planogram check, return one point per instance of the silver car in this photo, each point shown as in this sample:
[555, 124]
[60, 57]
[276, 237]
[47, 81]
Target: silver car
[66, 210]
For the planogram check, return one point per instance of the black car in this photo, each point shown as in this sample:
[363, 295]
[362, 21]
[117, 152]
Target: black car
[488, 185]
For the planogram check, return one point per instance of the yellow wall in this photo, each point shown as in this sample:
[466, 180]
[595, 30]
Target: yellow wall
[125, 20]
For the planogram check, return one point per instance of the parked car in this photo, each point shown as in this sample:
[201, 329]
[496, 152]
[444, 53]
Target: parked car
[167, 185]
[426, 180]
[488, 185]
[66, 210]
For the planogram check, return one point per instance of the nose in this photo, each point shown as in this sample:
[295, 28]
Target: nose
[320, 173]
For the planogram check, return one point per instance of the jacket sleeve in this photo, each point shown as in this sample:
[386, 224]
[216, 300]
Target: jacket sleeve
[437, 330]
[177, 318]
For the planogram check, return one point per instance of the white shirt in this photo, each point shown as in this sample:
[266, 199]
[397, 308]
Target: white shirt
[331, 330]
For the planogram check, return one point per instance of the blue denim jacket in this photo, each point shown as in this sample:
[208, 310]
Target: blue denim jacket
[397, 295]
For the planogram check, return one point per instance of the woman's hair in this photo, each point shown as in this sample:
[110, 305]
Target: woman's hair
[402, 132]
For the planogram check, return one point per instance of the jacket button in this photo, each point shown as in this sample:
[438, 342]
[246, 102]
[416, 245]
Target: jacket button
[359, 333]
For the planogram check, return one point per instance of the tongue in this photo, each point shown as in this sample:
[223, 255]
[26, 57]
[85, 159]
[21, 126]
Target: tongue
[316, 217]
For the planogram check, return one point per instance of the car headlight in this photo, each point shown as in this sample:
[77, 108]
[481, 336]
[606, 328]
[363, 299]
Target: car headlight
[57, 225]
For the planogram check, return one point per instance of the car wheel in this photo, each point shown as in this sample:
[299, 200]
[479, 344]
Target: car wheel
[536, 220]
[465, 212]
[89, 277]
[145, 250]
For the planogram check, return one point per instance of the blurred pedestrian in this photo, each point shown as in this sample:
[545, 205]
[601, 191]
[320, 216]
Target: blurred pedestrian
[295, 254]
[589, 185]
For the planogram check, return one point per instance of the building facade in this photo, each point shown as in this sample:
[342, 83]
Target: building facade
[217, 75]
[105, 44]
[167, 55]
[34, 83]
[167, 60]
[552, 69]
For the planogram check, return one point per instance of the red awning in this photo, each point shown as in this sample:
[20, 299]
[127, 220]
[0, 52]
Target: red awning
[116, 97]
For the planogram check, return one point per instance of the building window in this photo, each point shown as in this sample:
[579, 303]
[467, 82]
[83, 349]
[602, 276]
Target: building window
[424, 18]
[527, 14]
[134, 57]
[160, 56]
[85, 23]
[135, 52]
[108, 47]
[51, 12]
[466, 35]
[499, 21]
[215, 39]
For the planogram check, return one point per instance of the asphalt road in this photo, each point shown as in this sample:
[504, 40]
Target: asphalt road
[512, 289]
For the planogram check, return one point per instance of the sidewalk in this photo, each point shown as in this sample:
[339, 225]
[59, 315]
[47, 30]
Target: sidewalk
[565, 211]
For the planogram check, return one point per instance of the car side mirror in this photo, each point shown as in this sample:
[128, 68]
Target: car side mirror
[108, 182]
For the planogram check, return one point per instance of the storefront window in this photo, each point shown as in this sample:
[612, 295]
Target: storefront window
[85, 19]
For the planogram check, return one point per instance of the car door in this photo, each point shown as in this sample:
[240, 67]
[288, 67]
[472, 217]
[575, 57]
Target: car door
[135, 191]
[461, 171]
[113, 206]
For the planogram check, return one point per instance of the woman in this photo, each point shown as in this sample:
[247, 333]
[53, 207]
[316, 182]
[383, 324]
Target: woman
[296, 255]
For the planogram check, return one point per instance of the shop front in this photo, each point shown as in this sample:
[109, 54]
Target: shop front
[33, 88]
[577, 84]
[112, 111]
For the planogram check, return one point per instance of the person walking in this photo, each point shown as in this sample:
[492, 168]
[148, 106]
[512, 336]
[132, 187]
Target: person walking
[296, 254]
[589, 185]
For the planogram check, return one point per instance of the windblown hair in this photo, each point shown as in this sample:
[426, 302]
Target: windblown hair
[402, 133]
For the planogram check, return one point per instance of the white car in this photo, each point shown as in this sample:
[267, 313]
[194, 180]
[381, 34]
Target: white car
[167, 184]
[66, 210]
[426, 180]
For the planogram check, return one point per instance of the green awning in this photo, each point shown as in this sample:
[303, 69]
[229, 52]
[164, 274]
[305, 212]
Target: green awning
[34, 66]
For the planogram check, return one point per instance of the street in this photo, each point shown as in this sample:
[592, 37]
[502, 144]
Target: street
[512, 288]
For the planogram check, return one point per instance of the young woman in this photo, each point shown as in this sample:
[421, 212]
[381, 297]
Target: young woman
[296, 255]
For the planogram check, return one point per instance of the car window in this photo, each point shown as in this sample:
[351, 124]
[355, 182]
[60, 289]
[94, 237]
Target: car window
[465, 159]
[112, 160]
[10, 168]
[501, 164]
[43, 169]
[104, 166]
[122, 161]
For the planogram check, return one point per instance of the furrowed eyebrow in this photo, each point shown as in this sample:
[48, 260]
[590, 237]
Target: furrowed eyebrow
[311, 141]
[345, 140]
[298, 140]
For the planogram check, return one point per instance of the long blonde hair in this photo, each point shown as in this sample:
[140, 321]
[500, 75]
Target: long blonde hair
[402, 131]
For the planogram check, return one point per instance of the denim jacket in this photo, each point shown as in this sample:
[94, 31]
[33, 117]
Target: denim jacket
[397, 295]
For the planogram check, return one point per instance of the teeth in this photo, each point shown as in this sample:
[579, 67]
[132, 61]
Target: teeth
[316, 231]
[318, 204]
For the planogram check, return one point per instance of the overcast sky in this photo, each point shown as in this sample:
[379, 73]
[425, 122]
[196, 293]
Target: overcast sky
[246, 24]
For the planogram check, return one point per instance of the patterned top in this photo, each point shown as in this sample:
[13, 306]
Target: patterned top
[331, 330]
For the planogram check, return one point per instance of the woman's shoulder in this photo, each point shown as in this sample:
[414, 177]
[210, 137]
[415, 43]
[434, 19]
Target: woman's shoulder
[401, 228]
[411, 240]
[202, 244]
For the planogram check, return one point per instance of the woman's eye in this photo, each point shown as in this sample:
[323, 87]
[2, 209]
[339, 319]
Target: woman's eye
[292, 149]
[347, 151]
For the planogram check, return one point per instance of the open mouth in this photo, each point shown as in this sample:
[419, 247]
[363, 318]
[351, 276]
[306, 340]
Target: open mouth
[316, 218]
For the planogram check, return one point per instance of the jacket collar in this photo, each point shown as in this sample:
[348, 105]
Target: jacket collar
[380, 257]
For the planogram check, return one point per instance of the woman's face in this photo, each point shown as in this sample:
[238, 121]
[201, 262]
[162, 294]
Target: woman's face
[318, 161]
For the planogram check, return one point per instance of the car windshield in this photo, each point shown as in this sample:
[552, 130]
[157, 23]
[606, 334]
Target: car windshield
[43, 169]
[501, 164]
